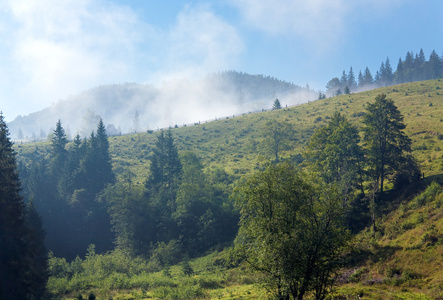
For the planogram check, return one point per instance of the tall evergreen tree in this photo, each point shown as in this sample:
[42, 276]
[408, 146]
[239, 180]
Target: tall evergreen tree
[162, 185]
[434, 66]
[18, 271]
[388, 74]
[399, 73]
[58, 152]
[368, 80]
[360, 79]
[343, 80]
[384, 139]
[351, 83]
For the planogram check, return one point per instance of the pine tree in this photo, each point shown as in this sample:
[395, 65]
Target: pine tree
[276, 105]
[384, 138]
[399, 73]
[343, 80]
[388, 75]
[162, 185]
[352, 84]
[368, 80]
[434, 66]
[361, 80]
[17, 255]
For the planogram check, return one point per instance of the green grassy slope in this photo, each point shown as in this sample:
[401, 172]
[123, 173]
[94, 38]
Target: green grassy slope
[234, 143]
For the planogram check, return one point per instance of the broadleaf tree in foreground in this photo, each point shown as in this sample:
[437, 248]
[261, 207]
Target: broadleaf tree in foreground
[291, 231]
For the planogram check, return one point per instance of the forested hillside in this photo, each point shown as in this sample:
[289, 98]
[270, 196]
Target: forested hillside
[174, 195]
[131, 107]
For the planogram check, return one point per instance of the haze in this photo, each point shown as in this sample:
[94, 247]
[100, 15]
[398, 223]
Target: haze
[50, 50]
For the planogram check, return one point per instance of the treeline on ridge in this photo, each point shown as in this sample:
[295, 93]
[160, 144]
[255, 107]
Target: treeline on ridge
[412, 68]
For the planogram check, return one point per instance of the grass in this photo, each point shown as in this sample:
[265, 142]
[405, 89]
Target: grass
[116, 276]
[403, 259]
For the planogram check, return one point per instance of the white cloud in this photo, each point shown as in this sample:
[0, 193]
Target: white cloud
[199, 42]
[57, 48]
[53, 49]
[321, 23]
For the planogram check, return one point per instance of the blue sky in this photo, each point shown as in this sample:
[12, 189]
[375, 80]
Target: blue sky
[51, 49]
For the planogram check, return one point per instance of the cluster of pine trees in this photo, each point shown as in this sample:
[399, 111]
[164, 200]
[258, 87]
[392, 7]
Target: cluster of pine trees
[179, 211]
[412, 68]
[64, 186]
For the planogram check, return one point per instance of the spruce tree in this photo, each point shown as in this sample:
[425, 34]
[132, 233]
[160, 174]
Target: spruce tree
[368, 80]
[399, 73]
[384, 139]
[352, 84]
[276, 105]
[18, 272]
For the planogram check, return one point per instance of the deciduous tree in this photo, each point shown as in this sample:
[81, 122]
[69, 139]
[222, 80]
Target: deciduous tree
[290, 232]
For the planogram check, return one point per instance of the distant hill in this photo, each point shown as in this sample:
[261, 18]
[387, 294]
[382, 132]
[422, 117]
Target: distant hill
[132, 107]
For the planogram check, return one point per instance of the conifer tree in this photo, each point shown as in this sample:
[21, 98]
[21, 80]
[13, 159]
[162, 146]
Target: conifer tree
[163, 183]
[351, 84]
[276, 105]
[360, 79]
[59, 154]
[384, 139]
[387, 75]
[368, 80]
[399, 73]
[18, 272]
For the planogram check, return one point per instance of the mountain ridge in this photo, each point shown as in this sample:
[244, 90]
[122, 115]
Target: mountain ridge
[134, 107]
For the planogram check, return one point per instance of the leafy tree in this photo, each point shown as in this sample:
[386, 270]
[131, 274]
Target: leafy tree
[290, 231]
[277, 136]
[131, 218]
[276, 105]
[20, 274]
[384, 139]
[334, 152]
[332, 86]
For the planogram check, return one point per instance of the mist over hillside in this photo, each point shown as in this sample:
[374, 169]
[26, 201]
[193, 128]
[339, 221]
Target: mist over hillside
[132, 107]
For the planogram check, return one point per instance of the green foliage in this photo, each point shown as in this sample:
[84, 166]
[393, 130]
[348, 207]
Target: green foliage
[290, 231]
[334, 152]
[277, 136]
[22, 264]
[428, 195]
[276, 105]
[384, 138]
